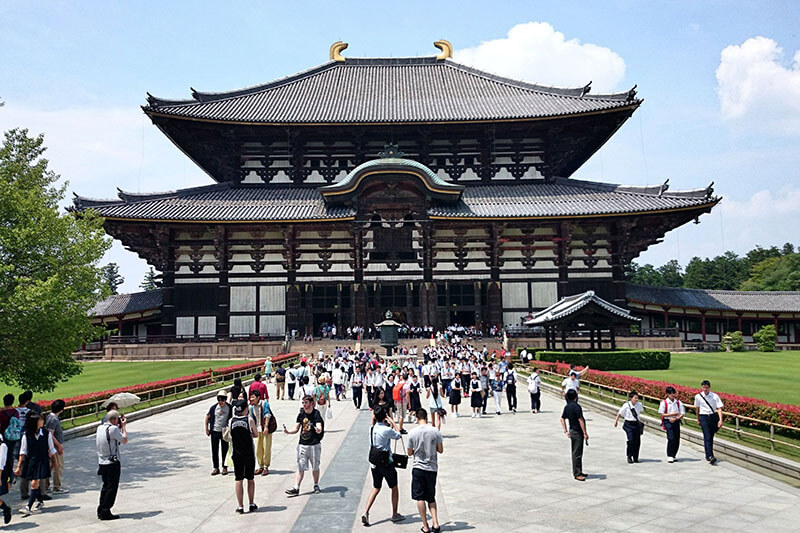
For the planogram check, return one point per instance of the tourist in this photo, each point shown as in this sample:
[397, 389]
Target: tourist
[311, 426]
[257, 410]
[339, 379]
[569, 383]
[424, 444]
[382, 433]
[267, 373]
[36, 449]
[708, 407]
[26, 405]
[291, 380]
[5, 476]
[414, 403]
[216, 421]
[302, 372]
[577, 432]
[476, 394]
[511, 387]
[52, 423]
[497, 385]
[382, 401]
[280, 382]
[448, 373]
[400, 400]
[306, 389]
[109, 436]
[11, 430]
[243, 431]
[633, 425]
[357, 384]
[672, 412]
[534, 389]
[485, 387]
[237, 391]
[577, 373]
[455, 395]
[258, 386]
[322, 395]
[388, 387]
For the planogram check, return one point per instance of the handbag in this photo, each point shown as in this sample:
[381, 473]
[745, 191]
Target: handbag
[377, 456]
[226, 434]
[636, 416]
[400, 460]
[272, 423]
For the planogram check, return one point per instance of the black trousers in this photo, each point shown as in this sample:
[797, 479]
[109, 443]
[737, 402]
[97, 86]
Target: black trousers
[511, 395]
[576, 441]
[486, 395]
[634, 439]
[216, 439]
[291, 387]
[709, 425]
[673, 437]
[108, 492]
[357, 395]
[536, 402]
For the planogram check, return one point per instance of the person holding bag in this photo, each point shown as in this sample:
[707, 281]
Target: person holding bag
[381, 435]
[708, 407]
[672, 412]
[534, 382]
[633, 425]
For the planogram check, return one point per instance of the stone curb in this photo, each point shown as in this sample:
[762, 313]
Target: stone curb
[722, 447]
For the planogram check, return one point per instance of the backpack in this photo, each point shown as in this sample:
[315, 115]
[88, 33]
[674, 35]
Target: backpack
[397, 392]
[14, 429]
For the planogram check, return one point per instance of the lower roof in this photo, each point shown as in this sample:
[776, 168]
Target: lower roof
[562, 197]
[123, 304]
[715, 300]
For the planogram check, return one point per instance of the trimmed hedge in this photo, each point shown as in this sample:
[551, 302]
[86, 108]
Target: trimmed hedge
[617, 360]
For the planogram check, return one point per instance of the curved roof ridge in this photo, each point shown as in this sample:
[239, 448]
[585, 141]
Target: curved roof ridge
[134, 197]
[648, 190]
[714, 291]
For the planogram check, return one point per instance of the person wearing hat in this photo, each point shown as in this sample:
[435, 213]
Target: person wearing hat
[216, 420]
[243, 431]
[322, 393]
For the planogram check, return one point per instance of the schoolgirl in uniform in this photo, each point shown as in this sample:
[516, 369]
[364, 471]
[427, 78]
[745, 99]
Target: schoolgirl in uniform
[455, 396]
[475, 395]
[36, 448]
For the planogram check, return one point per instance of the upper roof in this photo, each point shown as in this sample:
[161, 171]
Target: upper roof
[571, 305]
[123, 304]
[563, 197]
[389, 91]
[754, 301]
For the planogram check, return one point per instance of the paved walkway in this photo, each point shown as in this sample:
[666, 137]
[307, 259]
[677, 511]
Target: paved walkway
[498, 473]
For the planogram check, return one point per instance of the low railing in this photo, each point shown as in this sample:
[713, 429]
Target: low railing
[738, 420]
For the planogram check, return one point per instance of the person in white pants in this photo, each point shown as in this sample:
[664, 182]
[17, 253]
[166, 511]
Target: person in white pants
[498, 385]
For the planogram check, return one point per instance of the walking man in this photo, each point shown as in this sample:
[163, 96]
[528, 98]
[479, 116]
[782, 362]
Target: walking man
[311, 426]
[632, 425]
[709, 415]
[569, 383]
[534, 382]
[672, 411]
[291, 380]
[382, 433]
[577, 433]
[425, 443]
[243, 431]
[52, 423]
[280, 382]
[511, 387]
[109, 436]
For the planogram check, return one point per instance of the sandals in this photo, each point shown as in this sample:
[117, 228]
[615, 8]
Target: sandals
[265, 472]
[258, 472]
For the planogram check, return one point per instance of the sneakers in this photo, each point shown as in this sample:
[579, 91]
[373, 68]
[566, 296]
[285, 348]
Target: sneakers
[46, 497]
[403, 432]
[25, 511]
[670, 459]
[397, 518]
[240, 510]
[6, 513]
[316, 489]
[498, 413]
[712, 461]
[630, 460]
[37, 506]
[61, 490]
[365, 520]
[292, 492]
[253, 508]
[109, 516]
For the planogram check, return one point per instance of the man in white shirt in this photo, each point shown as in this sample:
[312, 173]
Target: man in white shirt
[672, 411]
[534, 382]
[630, 412]
[571, 382]
[709, 416]
[108, 439]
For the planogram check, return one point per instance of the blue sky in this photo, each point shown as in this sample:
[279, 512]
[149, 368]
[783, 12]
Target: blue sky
[79, 75]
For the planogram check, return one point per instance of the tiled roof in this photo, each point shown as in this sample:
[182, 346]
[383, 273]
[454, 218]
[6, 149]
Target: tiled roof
[562, 197]
[572, 304]
[401, 90]
[123, 304]
[675, 297]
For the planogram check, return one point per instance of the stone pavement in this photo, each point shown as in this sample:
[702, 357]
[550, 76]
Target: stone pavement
[497, 473]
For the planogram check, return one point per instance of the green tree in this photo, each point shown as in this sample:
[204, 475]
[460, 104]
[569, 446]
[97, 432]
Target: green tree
[671, 273]
[788, 248]
[775, 274]
[149, 281]
[112, 277]
[646, 275]
[49, 277]
[765, 338]
[724, 272]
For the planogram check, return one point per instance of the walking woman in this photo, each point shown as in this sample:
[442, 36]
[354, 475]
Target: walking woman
[511, 387]
[534, 384]
[633, 426]
[455, 396]
[357, 384]
[36, 449]
[414, 403]
[475, 395]
[433, 393]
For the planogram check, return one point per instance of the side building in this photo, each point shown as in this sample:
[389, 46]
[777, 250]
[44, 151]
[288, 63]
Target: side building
[415, 184]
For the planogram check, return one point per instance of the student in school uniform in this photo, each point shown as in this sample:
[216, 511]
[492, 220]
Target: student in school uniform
[534, 384]
[709, 416]
[630, 412]
[672, 412]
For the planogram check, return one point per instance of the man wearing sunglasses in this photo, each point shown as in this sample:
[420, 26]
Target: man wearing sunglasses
[311, 426]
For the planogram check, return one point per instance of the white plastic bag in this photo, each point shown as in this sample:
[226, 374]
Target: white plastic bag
[329, 413]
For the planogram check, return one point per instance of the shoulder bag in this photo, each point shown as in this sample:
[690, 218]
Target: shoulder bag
[400, 460]
[377, 456]
[636, 416]
[714, 415]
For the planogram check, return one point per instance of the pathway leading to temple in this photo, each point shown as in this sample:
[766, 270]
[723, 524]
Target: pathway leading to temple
[506, 473]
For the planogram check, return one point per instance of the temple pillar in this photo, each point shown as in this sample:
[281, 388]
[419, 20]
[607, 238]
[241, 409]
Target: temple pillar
[223, 292]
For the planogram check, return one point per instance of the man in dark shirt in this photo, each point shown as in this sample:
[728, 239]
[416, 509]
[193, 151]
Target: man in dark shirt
[577, 432]
[311, 426]
[280, 382]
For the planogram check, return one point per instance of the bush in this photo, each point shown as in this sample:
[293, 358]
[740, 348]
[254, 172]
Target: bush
[736, 341]
[766, 338]
[617, 360]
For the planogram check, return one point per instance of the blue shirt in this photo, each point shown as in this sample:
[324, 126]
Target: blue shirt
[382, 436]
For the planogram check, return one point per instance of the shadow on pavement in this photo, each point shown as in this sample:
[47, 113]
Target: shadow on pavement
[140, 515]
[272, 508]
[19, 526]
[596, 476]
[456, 526]
[336, 488]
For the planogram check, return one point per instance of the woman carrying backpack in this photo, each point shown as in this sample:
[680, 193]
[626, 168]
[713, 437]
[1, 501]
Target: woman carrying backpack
[322, 394]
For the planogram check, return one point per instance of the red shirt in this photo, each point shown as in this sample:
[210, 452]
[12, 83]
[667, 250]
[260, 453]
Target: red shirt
[261, 388]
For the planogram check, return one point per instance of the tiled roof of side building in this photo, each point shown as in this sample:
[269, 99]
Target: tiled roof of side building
[401, 90]
[717, 300]
[536, 198]
[123, 304]
[570, 305]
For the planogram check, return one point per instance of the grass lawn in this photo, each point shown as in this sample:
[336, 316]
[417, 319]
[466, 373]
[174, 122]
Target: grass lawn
[770, 376]
[111, 375]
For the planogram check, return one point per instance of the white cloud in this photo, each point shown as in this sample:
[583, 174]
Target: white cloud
[755, 88]
[536, 52]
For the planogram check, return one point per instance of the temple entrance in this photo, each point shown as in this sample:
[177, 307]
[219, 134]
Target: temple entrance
[462, 318]
[323, 320]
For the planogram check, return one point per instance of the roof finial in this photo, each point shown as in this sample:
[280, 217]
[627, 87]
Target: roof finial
[445, 47]
[335, 52]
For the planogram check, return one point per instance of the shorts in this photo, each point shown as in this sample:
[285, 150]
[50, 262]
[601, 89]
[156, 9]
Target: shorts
[423, 485]
[403, 411]
[244, 467]
[379, 473]
[308, 457]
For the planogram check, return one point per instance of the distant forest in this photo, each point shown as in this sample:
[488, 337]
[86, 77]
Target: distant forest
[761, 269]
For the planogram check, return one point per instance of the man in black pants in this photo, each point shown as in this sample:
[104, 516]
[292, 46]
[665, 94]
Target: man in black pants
[511, 388]
[577, 432]
[109, 437]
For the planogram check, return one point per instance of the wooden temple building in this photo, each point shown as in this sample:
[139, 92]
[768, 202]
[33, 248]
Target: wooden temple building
[414, 184]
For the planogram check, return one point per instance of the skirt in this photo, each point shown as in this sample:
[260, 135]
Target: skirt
[476, 399]
[455, 397]
[36, 468]
[413, 402]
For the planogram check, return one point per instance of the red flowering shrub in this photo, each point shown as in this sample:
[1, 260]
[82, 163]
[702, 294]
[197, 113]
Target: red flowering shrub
[787, 415]
[238, 368]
